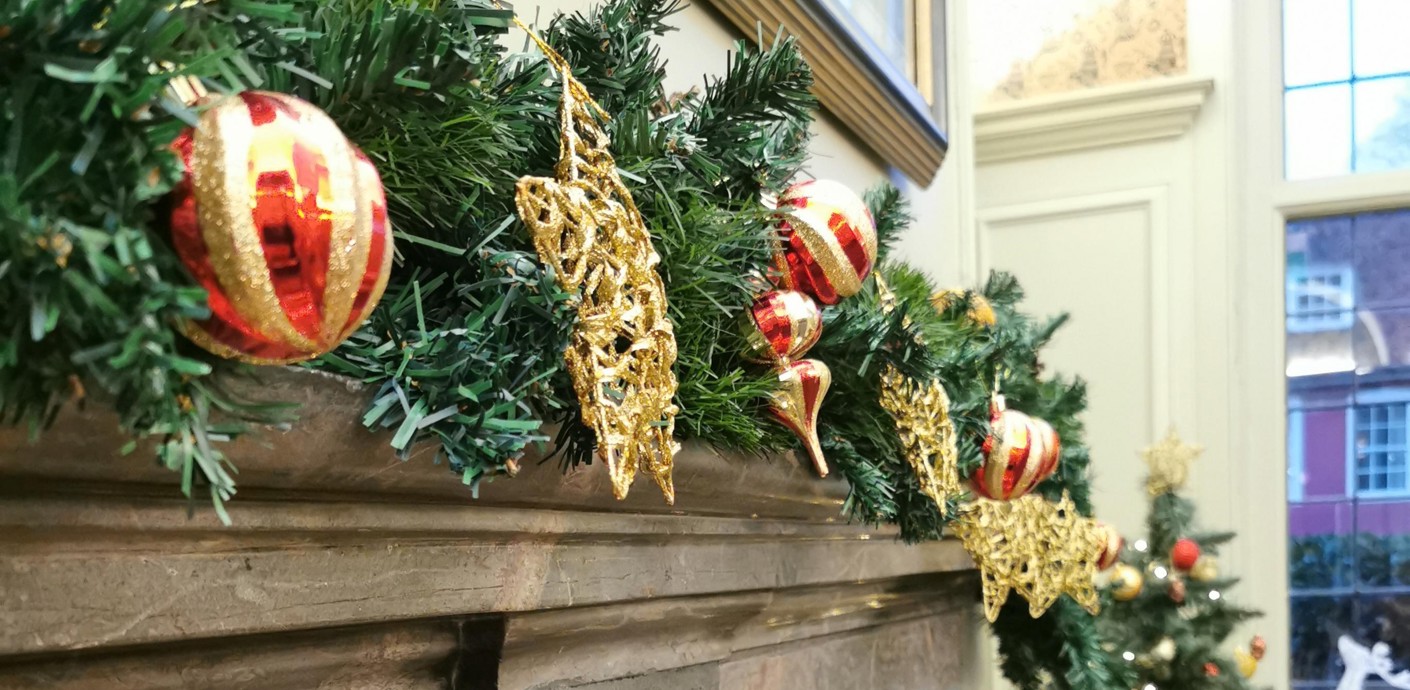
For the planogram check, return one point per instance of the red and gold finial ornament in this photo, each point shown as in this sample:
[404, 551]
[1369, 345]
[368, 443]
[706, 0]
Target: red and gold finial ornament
[284, 222]
[828, 240]
[783, 324]
[1019, 452]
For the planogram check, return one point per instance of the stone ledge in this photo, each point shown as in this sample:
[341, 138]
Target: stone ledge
[328, 455]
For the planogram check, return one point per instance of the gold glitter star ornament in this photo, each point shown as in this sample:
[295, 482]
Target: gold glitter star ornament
[587, 228]
[1039, 549]
[1169, 463]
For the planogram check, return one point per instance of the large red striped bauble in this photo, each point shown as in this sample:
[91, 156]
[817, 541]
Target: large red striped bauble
[1019, 452]
[284, 223]
[783, 324]
[827, 240]
[795, 404]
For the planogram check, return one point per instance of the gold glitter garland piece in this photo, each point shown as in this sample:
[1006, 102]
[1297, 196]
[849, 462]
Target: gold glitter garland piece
[1169, 463]
[922, 416]
[586, 227]
[1039, 549]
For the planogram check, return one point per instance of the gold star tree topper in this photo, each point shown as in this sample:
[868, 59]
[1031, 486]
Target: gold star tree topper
[1169, 463]
[585, 225]
[1039, 549]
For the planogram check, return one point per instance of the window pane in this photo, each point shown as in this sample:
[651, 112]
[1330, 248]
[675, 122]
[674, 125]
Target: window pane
[1380, 39]
[1348, 465]
[1383, 122]
[1318, 131]
[1382, 251]
[1316, 41]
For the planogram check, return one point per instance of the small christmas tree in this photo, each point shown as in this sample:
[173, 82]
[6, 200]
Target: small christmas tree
[1167, 616]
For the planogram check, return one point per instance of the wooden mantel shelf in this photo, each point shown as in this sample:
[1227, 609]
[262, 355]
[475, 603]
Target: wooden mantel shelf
[349, 568]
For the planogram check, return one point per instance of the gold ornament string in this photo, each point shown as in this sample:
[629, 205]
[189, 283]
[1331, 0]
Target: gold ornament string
[1039, 549]
[922, 416]
[586, 227]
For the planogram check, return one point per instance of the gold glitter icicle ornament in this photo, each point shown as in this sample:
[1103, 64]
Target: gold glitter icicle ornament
[922, 416]
[587, 228]
[1039, 549]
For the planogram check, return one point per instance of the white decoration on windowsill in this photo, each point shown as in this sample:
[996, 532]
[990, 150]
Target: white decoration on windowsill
[1361, 662]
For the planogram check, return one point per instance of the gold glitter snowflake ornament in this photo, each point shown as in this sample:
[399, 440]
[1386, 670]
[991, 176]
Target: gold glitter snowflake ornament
[587, 228]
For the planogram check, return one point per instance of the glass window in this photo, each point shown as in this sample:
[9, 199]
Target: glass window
[1348, 349]
[1346, 80]
[902, 32]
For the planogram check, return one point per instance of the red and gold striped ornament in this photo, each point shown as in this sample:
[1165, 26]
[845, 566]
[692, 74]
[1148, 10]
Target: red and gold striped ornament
[1019, 452]
[795, 403]
[1112, 543]
[284, 222]
[827, 240]
[783, 324]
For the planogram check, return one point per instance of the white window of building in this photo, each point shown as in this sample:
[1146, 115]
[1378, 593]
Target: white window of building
[1320, 298]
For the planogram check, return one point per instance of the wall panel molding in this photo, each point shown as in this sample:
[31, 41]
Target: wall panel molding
[1153, 202]
[1150, 110]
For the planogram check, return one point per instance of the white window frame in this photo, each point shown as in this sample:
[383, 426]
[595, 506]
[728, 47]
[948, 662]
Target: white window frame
[1339, 318]
[1264, 203]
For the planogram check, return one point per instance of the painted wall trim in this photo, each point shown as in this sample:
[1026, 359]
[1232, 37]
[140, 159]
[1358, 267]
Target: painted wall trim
[1150, 110]
[1155, 203]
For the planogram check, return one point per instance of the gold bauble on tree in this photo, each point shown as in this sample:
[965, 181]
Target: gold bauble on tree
[1126, 582]
[1205, 570]
[980, 312]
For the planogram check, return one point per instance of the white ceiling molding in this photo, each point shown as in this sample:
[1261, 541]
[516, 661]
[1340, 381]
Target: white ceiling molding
[1148, 110]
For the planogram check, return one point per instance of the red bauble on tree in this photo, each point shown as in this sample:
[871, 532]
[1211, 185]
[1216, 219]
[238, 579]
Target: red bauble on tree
[284, 223]
[1019, 452]
[1184, 554]
[827, 240]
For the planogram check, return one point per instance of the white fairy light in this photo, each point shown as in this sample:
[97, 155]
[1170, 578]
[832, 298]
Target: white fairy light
[1150, 686]
[1129, 656]
[1160, 572]
[1140, 545]
[1214, 595]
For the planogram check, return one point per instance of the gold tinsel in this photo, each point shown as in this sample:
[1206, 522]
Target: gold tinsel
[922, 416]
[1040, 549]
[586, 227]
[1169, 463]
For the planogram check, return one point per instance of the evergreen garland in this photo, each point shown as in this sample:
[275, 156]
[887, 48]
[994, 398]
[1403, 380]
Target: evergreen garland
[465, 348]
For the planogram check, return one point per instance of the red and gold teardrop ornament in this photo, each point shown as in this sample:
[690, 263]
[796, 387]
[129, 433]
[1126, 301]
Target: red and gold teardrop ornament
[801, 388]
[284, 222]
